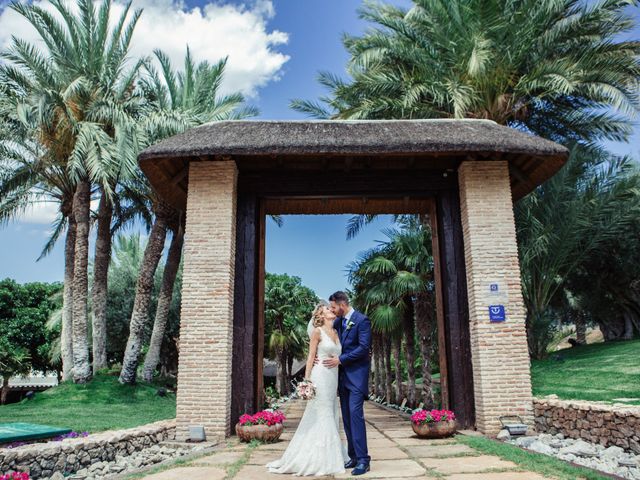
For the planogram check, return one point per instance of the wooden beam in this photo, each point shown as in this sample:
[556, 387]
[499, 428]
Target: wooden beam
[181, 175]
[437, 276]
[521, 176]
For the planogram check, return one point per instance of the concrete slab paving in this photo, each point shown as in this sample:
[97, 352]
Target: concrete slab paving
[192, 473]
[431, 451]
[391, 468]
[221, 458]
[477, 464]
[395, 451]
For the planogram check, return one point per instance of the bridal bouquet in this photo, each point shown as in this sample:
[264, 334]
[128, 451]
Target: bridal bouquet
[306, 390]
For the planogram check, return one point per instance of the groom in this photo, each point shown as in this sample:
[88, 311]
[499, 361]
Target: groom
[354, 329]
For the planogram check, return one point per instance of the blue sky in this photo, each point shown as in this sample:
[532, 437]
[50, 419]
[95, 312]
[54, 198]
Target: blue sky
[312, 247]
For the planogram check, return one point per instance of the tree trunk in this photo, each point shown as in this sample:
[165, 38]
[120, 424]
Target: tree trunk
[152, 359]
[383, 371]
[66, 334]
[4, 391]
[80, 343]
[282, 384]
[144, 290]
[408, 327]
[396, 347]
[100, 282]
[581, 328]
[386, 342]
[425, 326]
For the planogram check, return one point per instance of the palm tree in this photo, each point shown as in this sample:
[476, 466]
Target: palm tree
[593, 200]
[287, 307]
[556, 68]
[31, 176]
[152, 359]
[177, 101]
[394, 284]
[72, 94]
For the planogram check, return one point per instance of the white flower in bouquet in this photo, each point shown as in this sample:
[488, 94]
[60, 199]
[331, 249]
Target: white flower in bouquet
[306, 390]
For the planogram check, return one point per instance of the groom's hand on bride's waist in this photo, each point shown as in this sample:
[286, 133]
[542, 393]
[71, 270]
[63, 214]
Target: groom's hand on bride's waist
[331, 362]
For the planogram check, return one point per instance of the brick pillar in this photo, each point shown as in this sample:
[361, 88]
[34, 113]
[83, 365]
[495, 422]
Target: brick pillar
[500, 357]
[204, 369]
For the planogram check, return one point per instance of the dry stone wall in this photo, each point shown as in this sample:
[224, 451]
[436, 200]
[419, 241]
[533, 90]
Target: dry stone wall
[595, 422]
[68, 456]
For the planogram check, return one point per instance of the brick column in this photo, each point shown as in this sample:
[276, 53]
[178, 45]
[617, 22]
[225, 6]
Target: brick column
[500, 357]
[206, 330]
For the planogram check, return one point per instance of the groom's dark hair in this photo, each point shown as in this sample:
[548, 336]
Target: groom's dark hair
[339, 297]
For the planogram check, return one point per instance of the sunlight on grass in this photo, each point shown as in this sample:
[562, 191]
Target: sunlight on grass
[598, 372]
[102, 404]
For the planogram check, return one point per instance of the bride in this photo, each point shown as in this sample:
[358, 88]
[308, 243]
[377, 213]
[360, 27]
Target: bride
[316, 447]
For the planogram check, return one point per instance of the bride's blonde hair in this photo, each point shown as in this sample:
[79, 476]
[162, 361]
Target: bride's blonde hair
[317, 318]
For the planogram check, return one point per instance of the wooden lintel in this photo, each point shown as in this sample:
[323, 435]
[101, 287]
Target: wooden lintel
[521, 176]
[180, 175]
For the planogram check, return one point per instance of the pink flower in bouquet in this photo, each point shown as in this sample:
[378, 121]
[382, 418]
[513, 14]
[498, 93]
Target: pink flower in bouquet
[306, 390]
[420, 417]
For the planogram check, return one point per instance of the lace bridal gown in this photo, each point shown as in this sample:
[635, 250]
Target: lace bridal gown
[316, 447]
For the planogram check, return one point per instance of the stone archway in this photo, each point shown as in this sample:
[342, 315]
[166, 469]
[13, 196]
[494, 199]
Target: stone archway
[229, 175]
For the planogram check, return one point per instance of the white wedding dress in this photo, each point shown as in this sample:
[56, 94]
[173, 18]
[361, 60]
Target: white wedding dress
[316, 447]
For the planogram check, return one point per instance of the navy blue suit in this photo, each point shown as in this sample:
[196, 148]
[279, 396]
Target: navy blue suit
[353, 385]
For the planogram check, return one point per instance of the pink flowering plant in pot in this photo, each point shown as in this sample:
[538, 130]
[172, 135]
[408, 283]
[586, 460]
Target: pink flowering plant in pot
[265, 426]
[433, 423]
[15, 476]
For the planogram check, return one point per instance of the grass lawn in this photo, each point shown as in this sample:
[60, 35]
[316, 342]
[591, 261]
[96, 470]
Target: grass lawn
[102, 404]
[600, 372]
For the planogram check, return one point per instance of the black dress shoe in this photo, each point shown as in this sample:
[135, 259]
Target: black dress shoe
[351, 463]
[360, 469]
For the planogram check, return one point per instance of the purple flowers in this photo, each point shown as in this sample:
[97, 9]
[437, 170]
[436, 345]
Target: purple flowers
[71, 435]
[420, 417]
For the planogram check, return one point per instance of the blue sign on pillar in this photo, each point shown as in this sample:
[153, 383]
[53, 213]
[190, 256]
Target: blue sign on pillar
[496, 313]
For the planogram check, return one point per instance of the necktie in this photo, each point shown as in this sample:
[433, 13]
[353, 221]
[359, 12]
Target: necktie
[344, 323]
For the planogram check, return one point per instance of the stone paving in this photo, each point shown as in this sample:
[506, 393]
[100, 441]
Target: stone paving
[395, 451]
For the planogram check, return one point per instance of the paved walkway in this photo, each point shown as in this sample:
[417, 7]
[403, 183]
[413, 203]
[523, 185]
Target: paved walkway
[395, 451]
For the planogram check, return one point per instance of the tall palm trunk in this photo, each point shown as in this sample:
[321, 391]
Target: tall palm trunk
[383, 372]
[379, 366]
[4, 390]
[100, 282]
[152, 359]
[581, 327]
[144, 288]
[396, 348]
[66, 335]
[81, 208]
[386, 345]
[425, 326]
[408, 327]
[282, 384]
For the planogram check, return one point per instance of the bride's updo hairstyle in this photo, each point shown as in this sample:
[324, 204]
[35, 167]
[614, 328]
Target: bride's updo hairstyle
[317, 318]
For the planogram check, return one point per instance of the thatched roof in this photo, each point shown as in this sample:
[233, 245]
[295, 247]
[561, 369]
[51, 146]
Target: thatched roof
[372, 137]
[262, 144]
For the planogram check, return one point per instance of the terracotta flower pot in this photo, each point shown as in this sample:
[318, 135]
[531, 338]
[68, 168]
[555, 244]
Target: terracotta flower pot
[435, 429]
[264, 433]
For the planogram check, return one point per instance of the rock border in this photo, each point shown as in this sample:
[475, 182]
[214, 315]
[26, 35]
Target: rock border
[68, 456]
[595, 422]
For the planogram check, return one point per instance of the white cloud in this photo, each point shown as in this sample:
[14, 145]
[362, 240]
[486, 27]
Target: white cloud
[40, 213]
[212, 32]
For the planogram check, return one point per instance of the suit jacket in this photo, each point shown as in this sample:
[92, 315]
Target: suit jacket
[355, 360]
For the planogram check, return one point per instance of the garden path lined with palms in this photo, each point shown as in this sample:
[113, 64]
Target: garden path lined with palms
[396, 453]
